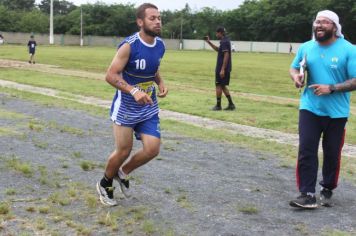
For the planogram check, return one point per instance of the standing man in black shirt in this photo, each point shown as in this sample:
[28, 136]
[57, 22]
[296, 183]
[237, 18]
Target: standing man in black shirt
[32, 49]
[223, 68]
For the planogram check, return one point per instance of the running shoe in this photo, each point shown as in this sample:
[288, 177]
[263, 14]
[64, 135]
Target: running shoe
[304, 201]
[106, 195]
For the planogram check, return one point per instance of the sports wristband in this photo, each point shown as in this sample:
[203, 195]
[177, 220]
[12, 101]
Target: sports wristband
[133, 91]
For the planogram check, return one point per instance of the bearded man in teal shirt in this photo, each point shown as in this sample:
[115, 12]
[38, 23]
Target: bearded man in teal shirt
[330, 63]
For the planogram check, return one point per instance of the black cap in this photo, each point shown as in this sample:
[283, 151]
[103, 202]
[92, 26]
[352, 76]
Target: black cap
[220, 29]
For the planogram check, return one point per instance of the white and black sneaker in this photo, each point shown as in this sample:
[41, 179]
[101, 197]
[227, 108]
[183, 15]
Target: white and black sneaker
[304, 201]
[325, 197]
[106, 195]
[124, 186]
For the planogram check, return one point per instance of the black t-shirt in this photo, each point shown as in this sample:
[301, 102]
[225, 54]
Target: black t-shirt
[225, 46]
[31, 45]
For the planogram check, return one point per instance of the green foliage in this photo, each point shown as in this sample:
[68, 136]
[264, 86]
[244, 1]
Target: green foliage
[346, 10]
[60, 7]
[18, 4]
[4, 208]
[20, 166]
[263, 20]
[33, 21]
[23, 21]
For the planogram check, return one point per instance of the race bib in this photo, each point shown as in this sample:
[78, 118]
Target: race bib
[146, 87]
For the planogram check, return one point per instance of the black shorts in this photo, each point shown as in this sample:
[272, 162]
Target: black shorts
[32, 52]
[220, 81]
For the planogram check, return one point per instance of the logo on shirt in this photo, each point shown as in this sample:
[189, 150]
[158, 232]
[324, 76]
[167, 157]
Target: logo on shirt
[334, 61]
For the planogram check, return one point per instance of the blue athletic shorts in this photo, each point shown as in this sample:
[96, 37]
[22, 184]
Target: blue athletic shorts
[149, 127]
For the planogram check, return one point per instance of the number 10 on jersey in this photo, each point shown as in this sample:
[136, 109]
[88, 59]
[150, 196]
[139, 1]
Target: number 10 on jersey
[140, 64]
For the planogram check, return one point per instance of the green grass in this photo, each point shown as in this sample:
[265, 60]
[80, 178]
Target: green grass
[263, 114]
[75, 85]
[189, 76]
[248, 209]
[259, 73]
[4, 208]
[83, 58]
[16, 164]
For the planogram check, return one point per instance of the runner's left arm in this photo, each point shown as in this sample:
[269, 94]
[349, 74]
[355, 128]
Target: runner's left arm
[163, 90]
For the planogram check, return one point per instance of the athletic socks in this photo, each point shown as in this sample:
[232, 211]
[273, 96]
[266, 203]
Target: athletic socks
[106, 182]
[229, 99]
[218, 101]
[121, 174]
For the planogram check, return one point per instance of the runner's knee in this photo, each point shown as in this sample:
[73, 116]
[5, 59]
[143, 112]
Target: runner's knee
[123, 152]
[151, 151]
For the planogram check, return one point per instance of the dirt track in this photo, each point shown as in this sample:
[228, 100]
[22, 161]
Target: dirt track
[215, 189]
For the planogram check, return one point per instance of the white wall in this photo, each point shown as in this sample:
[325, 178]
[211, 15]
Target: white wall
[188, 44]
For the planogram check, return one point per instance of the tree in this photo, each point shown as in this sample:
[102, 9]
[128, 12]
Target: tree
[33, 21]
[346, 10]
[18, 4]
[60, 7]
[206, 21]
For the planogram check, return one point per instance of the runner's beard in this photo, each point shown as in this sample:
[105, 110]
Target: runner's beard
[151, 32]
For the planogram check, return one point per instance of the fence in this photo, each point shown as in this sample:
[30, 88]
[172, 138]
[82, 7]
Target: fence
[174, 44]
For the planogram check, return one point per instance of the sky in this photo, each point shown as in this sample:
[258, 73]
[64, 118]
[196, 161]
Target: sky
[172, 5]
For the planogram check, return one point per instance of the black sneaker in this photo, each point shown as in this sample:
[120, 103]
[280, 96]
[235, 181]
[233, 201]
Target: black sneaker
[124, 186]
[29, 62]
[304, 201]
[106, 195]
[325, 197]
[216, 108]
[230, 107]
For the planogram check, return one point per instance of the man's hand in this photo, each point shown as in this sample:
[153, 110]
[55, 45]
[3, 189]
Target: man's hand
[298, 80]
[142, 98]
[163, 90]
[321, 89]
[222, 74]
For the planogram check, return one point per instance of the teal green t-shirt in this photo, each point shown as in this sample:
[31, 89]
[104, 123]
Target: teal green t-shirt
[330, 64]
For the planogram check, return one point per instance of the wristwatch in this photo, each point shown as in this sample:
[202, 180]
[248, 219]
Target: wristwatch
[332, 88]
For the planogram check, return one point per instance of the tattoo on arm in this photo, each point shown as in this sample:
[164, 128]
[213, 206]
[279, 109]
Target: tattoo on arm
[121, 84]
[348, 85]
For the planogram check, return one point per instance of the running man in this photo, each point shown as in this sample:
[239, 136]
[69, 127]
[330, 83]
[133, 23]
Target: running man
[324, 107]
[32, 49]
[222, 69]
[133, 72]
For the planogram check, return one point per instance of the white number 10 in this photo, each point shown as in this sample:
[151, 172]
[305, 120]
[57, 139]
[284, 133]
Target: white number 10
[140, 64]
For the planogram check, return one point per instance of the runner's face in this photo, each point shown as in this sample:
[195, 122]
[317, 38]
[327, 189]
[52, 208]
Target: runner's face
[151, 25]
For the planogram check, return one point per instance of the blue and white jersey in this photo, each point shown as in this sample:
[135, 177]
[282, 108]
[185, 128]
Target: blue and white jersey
[140, 72]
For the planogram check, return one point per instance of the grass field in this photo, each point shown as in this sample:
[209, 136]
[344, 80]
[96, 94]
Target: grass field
[190, 78]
